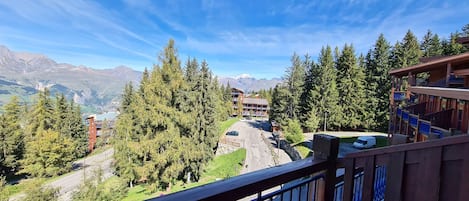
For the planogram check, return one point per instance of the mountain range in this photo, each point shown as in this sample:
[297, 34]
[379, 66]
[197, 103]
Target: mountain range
[24, 74]
[98, 90]
[249, 84]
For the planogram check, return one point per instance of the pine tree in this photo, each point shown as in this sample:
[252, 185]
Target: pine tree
[209, 129]
[328, 102]
[41, 116]
[61, 111]
[310, 97]
[279, 105]
[294, 81]
[378, 86]
[370, 100]
[409, 51]
[11, 137]
[350, 84]
[430, 45]
[127, 98]
[76, 130]
[171, 110]
[465, 30]
[48, 154]
[451, 47]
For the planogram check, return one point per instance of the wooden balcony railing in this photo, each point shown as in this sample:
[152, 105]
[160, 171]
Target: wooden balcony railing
[432, 170]
[440, 119]
[307, 178]
[418, 109]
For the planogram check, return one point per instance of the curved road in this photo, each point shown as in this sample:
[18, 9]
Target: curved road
[85, 168]
[259, 144]
[261, 151]
[88, 167]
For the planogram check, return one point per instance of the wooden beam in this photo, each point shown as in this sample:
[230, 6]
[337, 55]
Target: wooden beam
[429, 174]
[349, 178]
[448, 73]
[368, 179]
[432, 65]
[394, 176]
[461, 72]
[461, 94]
[463, 186]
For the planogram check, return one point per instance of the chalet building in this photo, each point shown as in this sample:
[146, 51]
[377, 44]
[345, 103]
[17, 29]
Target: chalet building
[96, 124]
[434, 102]
[256, 107]
[464, 41]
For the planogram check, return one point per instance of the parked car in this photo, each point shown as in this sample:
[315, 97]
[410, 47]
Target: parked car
[232, 133]
[365, 142]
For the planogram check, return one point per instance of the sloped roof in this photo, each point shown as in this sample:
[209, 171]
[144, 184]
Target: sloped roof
[237, 90]
[257, 101]
[456, 60]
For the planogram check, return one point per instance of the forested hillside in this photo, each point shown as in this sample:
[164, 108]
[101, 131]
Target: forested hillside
[350, 91]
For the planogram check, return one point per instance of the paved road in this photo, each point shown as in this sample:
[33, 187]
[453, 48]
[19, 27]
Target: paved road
[260, 150]
[260, 147]
[84, 168]
[88, 167]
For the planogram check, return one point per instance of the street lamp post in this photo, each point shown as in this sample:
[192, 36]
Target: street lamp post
[325, 119]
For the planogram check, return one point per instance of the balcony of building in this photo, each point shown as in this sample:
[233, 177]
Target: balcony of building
[431, 99]
[432, 170]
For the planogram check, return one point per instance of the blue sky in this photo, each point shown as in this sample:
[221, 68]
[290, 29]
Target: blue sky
[235, 37]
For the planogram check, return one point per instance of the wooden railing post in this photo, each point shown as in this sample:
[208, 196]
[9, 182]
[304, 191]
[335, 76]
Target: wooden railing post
[326, 147]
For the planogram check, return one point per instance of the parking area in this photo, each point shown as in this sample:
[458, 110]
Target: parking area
[346, 145]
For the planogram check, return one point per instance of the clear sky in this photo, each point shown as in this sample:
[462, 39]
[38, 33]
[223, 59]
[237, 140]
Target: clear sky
[256, 37]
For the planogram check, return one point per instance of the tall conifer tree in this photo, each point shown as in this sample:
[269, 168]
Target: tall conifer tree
[328, 103]
[294, 79]
[378, 85]
[11, 137]
[350, 84]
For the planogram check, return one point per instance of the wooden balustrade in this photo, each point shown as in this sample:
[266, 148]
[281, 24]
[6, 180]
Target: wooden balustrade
[440, 119]
[432, 170]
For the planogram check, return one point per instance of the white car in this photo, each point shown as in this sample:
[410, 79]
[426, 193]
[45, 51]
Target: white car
[365, 142]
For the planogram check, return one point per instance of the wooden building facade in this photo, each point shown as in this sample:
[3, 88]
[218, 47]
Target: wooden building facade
[431, 100]
[247, 106]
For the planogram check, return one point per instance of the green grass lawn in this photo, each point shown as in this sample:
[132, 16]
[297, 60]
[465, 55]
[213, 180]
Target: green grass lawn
[227, 124]
[303, 150]
[220, 167]
[9, 190]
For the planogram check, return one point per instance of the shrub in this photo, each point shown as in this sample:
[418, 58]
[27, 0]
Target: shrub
[293, 132]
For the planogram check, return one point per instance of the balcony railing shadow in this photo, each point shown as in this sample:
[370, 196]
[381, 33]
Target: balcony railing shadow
[432, 170]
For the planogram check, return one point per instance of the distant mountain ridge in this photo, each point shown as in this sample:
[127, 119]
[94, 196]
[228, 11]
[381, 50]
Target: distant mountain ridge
[249, 84]
[100, 89]
[23, 74]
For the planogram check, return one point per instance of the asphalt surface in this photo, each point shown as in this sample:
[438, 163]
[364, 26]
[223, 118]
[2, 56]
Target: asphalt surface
[261, 151]
[86, 168]
[83, 168]
[260, 148]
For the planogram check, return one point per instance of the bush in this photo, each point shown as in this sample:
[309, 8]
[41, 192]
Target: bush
[95, 188]
[293, 132]
[3, 194]
[35, 191]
